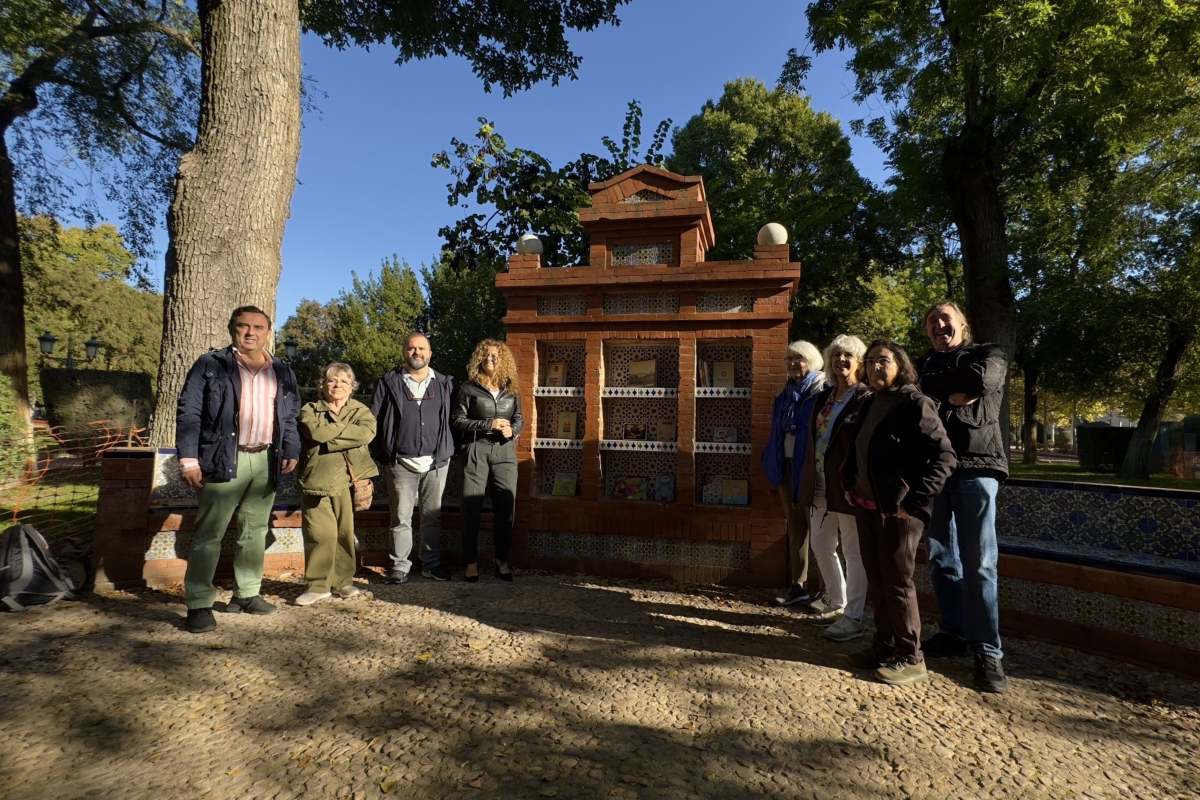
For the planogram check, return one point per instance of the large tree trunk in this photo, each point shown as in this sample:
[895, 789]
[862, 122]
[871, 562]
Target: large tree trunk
[971, 172]
[1029, 428]
[233, 191]
[13, 361]
[1166, 377]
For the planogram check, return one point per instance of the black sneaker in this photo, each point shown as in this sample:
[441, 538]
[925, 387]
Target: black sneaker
[438, 573]
[944, 645]
[989, 675]
[200, 620]
[797, 595]
[396, 578]
[250, 605]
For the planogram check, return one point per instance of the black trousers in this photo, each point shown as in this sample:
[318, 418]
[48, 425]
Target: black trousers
[490, 469]
[889, 554]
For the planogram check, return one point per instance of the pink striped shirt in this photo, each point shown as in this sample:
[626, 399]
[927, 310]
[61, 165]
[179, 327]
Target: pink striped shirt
[256, 414]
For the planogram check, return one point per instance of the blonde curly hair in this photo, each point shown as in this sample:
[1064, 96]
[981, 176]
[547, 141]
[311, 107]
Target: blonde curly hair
[506, 365]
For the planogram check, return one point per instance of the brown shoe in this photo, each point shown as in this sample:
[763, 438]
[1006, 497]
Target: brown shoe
[898, 672]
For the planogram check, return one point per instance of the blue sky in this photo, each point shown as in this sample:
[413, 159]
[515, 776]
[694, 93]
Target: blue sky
[366, 189]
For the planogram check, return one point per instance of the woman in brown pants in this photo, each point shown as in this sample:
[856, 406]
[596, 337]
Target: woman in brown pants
[900, 459]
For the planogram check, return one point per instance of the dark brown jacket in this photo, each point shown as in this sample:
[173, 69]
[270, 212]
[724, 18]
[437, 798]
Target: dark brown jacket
[835, 453]
[909, 455]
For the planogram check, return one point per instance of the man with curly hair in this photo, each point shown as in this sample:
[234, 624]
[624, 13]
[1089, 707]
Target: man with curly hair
[413, 445]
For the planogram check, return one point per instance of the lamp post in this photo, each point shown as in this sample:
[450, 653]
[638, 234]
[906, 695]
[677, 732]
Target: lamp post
[46, 342]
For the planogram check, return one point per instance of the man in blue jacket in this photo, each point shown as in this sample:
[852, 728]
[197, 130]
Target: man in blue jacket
[236, 433]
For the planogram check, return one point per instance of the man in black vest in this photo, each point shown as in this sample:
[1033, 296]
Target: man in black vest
[413, 444]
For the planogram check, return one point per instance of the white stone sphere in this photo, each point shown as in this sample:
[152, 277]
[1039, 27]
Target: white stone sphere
[772, 233]
[529, 244]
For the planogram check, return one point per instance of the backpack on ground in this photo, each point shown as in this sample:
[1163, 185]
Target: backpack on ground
[29, 573]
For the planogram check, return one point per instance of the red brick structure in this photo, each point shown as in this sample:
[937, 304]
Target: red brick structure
[649, 295]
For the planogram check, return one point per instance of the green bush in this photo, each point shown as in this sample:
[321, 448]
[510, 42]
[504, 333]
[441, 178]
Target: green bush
[15, 442]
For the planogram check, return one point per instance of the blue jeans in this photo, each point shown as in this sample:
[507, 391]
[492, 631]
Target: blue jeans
[962, 561]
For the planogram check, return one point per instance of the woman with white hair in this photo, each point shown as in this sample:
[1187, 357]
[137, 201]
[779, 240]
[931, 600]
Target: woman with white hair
[335, 432]
[831, 517]
[784, 455]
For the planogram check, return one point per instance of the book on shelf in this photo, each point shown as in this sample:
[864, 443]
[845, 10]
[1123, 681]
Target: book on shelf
[664, 488]
[565, 484]
[735, 492]
[643, 373]
[566, 425]
[723, 374]
[711, 490]
[635, 431]
[631, 487]
[703, 373]
[724, 435]
[556, 373]
[661, 431]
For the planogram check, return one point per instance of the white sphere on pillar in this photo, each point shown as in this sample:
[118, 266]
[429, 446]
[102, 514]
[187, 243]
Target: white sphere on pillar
[772, 234]
[529, 244]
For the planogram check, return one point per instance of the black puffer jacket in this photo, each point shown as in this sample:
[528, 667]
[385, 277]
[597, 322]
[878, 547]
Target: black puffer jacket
[909, 456]
[977, 370]
[475, 408]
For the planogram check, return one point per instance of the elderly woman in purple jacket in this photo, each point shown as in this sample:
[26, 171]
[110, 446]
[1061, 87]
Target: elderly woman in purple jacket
[791, 413]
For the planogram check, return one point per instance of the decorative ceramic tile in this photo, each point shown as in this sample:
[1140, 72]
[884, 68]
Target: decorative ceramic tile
[624, 416]
[727, 448]
[557, 444]
[641, 303]
[173, 544]
[1117, 519]
[639, 446]
[636, 255]
[727, 415]
[705, 392]
[561, 305]
[725, 303]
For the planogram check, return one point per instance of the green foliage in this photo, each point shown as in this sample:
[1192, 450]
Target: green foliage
[375, 317]
[77, 398]
[314, 329]
[464, 307]
[15, 441]
[115, 86]
[518, 191]
[77, 285]
[898, 302]
[767, 156]
[512, 45]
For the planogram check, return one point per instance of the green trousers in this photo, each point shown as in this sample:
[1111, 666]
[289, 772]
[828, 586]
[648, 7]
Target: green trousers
[251, 495]
[329, 548]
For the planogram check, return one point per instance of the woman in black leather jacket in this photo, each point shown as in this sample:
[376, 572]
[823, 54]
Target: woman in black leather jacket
[487, 420]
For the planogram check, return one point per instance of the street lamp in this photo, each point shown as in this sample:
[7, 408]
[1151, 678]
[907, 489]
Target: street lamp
[47, 340]
[291, 348]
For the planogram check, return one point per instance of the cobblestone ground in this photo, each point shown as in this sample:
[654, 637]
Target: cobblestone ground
[552, 687]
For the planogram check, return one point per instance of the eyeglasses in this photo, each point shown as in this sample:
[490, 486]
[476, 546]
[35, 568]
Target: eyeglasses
[881, 361]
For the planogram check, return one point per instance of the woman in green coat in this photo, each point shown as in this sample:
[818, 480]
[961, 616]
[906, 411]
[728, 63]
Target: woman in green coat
[334, 434]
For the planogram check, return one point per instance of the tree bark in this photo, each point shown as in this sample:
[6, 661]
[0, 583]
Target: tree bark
[971, 175]
[234, 188]
[1166, 377]
[13, 359]
[1029, 428]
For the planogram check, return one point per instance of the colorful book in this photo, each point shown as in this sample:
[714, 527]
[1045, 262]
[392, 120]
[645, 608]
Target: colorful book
[556, 373]
[635, 431]
[566, 425]
[735, 492]
[565, 484]
[725, 435]
[631, 488]
[643, 373]
[664, 488]
[710, 493]
[703, 375]
[723, 374]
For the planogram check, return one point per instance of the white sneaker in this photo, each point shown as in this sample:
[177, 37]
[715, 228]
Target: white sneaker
[845, 629]
[347, 591]
[823, 614]
[308, 598]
